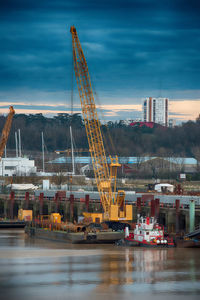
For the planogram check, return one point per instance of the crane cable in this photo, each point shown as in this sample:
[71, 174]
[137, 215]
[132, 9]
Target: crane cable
[110, 146]
[72, 85]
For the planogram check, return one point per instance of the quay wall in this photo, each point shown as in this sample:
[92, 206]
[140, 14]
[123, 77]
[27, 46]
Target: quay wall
[172, 211]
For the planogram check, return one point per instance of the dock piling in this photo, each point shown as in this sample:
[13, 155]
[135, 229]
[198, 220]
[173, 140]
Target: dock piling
[192, 215]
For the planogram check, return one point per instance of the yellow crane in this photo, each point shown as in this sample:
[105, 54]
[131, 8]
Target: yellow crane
[114, 205]
[6, 130]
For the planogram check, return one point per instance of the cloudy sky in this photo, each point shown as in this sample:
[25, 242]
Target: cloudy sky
[134, 49]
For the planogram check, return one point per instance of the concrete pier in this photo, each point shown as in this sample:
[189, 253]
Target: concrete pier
[175, 213]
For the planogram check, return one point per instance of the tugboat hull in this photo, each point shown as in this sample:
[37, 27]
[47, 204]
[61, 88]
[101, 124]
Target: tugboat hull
[147, 244]
[132, 243]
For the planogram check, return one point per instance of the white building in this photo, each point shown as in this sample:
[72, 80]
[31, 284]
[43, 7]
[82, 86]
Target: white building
[17, 166]
[156, 110]
[172, 123]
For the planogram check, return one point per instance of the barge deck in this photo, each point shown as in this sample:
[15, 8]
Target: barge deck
[102, 237]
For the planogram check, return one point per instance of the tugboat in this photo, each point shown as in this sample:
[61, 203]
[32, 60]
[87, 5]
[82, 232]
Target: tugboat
[148, 233]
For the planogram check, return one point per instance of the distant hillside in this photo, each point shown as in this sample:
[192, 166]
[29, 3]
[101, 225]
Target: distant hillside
[119, 138]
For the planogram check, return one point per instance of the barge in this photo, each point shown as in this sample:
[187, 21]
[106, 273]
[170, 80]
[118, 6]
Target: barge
[101, 237]
[11, 224]
[188, 243]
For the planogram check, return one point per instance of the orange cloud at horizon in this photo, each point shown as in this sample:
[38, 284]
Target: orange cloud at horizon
[185, 109]
[179, 109]
[121, 107]
[36, 111]
[111, 109]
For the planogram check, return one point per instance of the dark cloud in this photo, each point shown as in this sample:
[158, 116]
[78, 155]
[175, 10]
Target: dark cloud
[133, 47]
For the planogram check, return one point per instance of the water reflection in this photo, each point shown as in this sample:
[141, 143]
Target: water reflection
[116, 268]
[36, 269]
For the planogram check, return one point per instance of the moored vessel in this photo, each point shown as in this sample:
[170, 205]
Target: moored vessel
[148, 233]
[100, 237]
[188, 243]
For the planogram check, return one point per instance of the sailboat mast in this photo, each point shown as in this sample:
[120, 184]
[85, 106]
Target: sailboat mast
[20, 147]
[72, 149]
[42, 151]
[16, 143]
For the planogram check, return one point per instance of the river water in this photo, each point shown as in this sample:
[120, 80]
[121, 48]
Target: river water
[39, 269]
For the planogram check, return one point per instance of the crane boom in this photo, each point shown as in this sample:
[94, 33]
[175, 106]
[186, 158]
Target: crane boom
[103, 175]
[6, 130]
[92, 123]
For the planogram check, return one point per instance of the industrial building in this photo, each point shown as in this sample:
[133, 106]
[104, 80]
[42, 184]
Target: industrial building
[188, 164]
[156, 110]
[17, 166]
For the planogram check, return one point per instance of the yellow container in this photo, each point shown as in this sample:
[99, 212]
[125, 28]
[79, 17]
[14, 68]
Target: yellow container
[25, 215]
[55, 218]
[96, 217]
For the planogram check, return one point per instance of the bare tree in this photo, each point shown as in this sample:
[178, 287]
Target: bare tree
[196, 152]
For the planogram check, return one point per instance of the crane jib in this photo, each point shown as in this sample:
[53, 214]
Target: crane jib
[114, 207]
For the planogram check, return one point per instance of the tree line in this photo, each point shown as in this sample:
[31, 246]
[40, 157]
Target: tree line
[119, 138]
